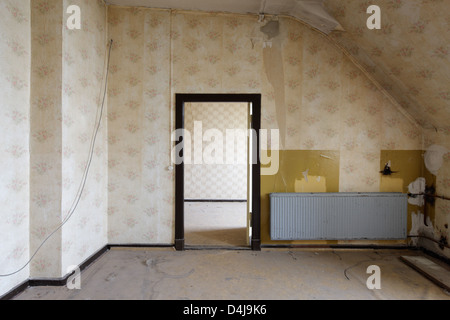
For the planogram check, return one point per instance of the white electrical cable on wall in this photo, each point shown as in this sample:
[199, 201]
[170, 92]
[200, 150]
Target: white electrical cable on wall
[85, 174]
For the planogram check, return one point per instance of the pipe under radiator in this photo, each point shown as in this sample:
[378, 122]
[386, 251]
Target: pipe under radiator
[338, 216]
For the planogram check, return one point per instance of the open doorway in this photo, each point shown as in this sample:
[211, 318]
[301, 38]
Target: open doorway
[216, 189]
[217, 204]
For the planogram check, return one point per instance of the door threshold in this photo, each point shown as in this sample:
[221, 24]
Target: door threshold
[212, 247]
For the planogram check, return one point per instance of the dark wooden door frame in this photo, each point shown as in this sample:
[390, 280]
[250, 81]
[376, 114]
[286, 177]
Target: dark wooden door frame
[255, 99]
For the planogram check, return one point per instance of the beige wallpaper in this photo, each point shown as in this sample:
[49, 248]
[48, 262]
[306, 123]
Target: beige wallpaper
[141, 188]
[67, 75]
[51, 83]
[409, 57]
[223, 181]
[14, 140]
[83, 85]
[311, 91]
[45, 136]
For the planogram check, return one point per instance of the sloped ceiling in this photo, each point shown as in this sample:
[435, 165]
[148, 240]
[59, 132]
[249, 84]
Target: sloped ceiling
[409, 56]
[310, 11]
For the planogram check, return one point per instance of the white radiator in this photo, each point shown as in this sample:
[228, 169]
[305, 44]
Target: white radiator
[338, 216]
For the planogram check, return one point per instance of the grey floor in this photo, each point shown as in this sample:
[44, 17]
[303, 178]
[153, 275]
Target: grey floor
[272, 274]
[216, 224]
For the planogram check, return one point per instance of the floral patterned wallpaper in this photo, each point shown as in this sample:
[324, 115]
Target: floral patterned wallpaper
[67, 79]
[84, 53]
[311, 91]
[45, 136]
[140, 186]
[224, 181]
[410, 58]
[51, 84]
[15, 54]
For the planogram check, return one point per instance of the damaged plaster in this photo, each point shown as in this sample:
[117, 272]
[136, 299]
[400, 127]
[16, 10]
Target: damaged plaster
[419, 227]
[434, 158]
[417, 188]
[313, 184]
[274, 69]
[271, 29]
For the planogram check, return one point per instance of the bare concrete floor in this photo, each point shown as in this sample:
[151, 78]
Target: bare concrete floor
[216, 224]
[273, 274]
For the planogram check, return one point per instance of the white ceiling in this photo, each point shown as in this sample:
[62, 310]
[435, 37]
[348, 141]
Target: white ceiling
[311, 12]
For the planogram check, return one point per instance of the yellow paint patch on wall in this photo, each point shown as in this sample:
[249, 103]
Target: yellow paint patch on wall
[322, 175]
[407, 165]
[316, 184]
[318, 171]
[391, 184]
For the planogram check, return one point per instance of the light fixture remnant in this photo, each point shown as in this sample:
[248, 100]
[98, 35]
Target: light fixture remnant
[387, 171]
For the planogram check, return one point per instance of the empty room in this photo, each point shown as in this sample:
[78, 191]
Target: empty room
[224, 150]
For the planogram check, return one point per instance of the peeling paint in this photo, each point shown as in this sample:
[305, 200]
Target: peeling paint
[274, 69]
[417, 187]
[326, 157]
[271, 29]
[315, 184]
[418, 226]
[305, 174]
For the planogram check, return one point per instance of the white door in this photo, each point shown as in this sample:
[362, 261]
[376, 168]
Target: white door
[249, 175]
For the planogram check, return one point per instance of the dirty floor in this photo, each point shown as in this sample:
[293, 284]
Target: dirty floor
[273, 274]
[216, 224]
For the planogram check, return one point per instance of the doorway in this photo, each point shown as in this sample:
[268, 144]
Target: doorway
[216, 188]
[190, 202]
